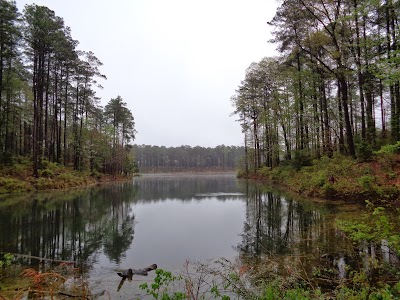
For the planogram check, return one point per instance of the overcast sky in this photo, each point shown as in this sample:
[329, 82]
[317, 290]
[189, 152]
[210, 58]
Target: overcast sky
[176, 63]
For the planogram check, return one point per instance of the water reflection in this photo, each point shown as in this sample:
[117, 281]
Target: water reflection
[71, 226]
[166, 220]
[276, 224]
[84, 225]
[186, 187]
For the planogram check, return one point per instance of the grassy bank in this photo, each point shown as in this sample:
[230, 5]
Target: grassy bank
[18, 178]
[340, 177]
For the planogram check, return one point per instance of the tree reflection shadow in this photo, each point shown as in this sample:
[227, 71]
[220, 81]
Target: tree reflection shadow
[71, 226]
[278, 225]
[283, 234]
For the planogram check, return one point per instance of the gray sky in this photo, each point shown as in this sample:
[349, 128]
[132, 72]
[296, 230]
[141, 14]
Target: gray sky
[176, 63]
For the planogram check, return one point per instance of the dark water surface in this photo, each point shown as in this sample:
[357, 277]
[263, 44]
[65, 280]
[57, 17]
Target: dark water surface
[165, 220]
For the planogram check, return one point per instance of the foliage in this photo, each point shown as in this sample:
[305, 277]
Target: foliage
[5, 263]
[158, 289]
[341, 177]
[364, 151]
[323, 93]
[274, 291]
[13, 185]
[187, 158]
[378, 225]
[34, 284]
[46, 173]
[6, 260]
[367, 182]
[223, 281]
[301, 159]
[18, 170]
[392, 148]
[53, 119]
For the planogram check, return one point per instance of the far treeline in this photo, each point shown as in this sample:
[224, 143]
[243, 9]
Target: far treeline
[186, 158]
[49, 111]
[334, 88]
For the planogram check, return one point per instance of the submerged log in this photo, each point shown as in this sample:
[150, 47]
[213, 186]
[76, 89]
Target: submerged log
[128, 273]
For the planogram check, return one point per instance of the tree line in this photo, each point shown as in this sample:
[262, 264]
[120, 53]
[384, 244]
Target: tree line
[187, 158]
[334, 87]
[49, 110]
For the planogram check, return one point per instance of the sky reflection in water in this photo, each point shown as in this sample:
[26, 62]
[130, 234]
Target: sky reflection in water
[162, 220]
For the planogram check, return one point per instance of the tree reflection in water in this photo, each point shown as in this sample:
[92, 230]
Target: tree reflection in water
[96, 226]
[278, 225]
[289, 232]
[71, 226]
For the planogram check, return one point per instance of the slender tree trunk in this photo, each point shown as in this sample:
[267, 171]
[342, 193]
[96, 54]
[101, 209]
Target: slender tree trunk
[65, 160]
[389, 35]
[382, 106]
[46, 112]
[341, 128]
[300, 127]
[2, 139]
[35, 116]
[344, 98]
[75, 129]
[359, 72]
[7, 135]
[327, 136]
[371, 132]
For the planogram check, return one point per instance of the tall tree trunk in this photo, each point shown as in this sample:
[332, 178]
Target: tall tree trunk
[344, 98]
[46, 112]
[300, 127]
[35, 83]
[371, 134]
[65, 159]
[2, 139]
[359, 72]
[341, 128]
[389, 38]
[325, 115]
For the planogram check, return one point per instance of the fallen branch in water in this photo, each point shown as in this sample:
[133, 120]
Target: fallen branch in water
[73, 296]
[128, 273]
[44, 259]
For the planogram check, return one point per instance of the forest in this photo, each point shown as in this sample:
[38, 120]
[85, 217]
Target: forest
[334, 86]
[49, 111]
[187, 158]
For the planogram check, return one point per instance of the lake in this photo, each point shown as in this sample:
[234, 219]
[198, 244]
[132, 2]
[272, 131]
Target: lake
[166, 220]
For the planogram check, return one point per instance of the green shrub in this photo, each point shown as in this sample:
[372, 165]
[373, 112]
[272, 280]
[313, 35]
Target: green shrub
[49, 165]
[364, 151]
[44, 183]
[301, 159]
[158, 289]
[47, 173]
[282, 173]
[387, 161]
[265, 172]
[329, 190]
[6, 260]
[319, 179]
[11, 185]
[96, 174]
[378, 225]
[71, 179]
[393, 148]
[367, 182]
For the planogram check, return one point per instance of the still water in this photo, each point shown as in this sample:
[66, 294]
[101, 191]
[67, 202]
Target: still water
[166, 220]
